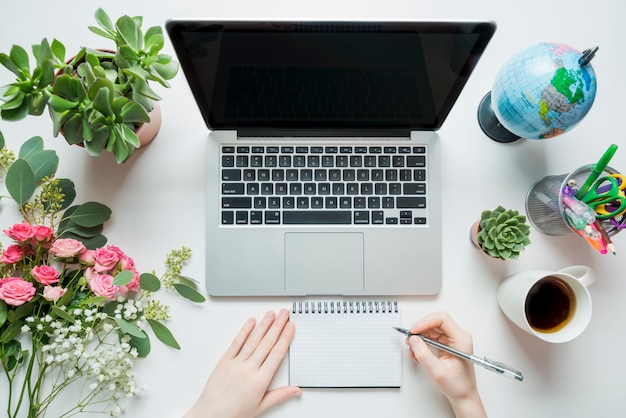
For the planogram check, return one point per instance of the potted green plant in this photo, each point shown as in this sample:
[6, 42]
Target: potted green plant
[97, 98]
[501, 233]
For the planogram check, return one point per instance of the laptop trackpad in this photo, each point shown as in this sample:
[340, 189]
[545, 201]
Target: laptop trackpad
[323, 262]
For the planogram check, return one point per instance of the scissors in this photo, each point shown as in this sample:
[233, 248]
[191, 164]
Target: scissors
[607, 197]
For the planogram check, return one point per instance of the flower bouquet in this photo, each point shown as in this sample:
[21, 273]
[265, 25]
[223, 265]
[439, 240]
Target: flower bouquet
[74, 310]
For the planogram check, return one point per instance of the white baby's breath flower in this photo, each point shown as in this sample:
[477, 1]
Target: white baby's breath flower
[25, 329]
[30, 319]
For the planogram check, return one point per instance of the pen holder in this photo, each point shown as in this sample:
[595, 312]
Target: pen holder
[544, 202]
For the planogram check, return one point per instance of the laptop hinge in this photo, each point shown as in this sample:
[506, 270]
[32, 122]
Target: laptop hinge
[325, 133]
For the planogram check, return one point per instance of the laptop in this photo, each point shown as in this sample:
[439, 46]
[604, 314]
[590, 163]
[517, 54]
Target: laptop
[323, 161]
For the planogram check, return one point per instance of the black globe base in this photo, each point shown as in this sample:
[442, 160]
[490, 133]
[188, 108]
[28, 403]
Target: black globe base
[490, 124]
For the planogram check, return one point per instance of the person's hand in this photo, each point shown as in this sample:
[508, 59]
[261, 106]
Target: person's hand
[238, 387]
[454, 376]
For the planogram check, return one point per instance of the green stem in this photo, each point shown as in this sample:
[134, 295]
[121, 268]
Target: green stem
[10, 379]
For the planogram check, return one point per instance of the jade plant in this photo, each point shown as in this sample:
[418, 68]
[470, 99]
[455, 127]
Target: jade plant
[97, 98]
[503, 233]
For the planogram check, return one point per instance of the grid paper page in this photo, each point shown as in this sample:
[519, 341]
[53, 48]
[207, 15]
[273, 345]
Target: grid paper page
[345, 349]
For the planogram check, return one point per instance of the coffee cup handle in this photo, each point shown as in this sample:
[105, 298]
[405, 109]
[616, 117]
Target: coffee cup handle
[582, 273]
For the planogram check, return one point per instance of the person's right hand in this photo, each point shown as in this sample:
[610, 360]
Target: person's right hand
[453, 376]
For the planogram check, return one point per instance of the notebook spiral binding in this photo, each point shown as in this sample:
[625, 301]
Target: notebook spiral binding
[339, 306]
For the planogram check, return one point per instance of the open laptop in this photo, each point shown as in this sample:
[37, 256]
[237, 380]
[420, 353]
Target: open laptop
[323, 165]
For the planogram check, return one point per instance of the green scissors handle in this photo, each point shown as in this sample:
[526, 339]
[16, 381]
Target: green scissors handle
[610, 196]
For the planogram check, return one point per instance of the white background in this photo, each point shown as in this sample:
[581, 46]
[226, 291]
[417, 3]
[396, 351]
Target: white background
[158, 201]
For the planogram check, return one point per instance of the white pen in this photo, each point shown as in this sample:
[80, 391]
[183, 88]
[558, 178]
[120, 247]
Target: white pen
[494, 366]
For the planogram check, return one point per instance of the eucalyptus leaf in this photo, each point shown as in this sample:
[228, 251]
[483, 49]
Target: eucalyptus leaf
[2, 143]
[20, 181]
[149, 282]
[90, 242]
[141, 344]
[163, 334]
[81, 231]
[123, 278]
[68, 190]
[31, 146]
[90, 214]
[189, 293]
[190, 280]
[129, 328]
[43, 163]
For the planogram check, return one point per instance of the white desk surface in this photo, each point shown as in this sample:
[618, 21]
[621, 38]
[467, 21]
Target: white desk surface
[158, 201]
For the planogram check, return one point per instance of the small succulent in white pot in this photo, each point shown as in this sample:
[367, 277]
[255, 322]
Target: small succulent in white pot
[501, 233]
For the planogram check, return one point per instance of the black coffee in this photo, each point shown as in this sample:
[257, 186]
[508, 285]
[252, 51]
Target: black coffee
[550, 304]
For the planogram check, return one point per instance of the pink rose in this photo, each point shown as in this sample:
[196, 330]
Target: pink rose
[53, 293]
[43, 233]
[106, 259]
[117, 250]
[88, 257]
[12, 254]
[102, 285]
[16, 291]
[20, 232]
[127, 263]
[45, 274]
[67, 248]
[90, 273]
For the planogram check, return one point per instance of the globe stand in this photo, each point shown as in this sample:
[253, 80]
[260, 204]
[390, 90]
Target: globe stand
[490, 124]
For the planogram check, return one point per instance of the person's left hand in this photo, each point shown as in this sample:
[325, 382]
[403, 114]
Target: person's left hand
[238, 387]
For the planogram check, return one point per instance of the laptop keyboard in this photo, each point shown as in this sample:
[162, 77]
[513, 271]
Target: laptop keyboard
[323, 185]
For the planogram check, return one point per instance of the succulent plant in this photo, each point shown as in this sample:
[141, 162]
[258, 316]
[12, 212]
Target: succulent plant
[98, 98]
[503, 233]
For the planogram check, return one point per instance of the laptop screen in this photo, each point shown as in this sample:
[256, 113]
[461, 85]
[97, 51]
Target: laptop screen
[327, 75]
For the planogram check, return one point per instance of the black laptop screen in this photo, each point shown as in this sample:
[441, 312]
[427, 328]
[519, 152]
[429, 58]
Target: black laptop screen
[327, 75]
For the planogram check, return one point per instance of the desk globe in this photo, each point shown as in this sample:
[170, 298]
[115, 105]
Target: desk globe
[540, 92]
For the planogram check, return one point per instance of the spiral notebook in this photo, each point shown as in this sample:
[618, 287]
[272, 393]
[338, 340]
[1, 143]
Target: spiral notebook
[345, 344]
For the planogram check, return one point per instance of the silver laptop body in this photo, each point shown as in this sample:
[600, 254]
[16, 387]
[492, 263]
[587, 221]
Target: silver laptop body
[323, 164]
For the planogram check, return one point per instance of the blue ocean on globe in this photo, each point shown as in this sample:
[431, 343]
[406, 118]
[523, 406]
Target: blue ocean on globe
[543, 91]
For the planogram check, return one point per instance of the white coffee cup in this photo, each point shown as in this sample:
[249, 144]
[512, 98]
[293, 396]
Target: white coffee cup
[552, 305]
